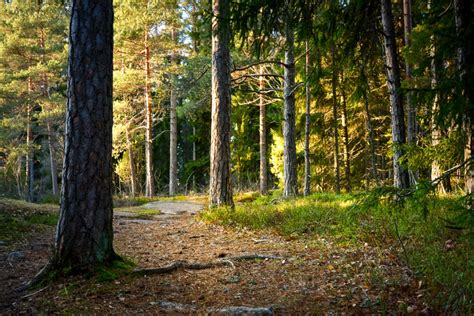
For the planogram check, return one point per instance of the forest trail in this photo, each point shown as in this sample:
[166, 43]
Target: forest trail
[316, 275]
[168, 209]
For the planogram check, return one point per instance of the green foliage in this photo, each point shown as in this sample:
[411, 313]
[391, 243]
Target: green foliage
[118, 268]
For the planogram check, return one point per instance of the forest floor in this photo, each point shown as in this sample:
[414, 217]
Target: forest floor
[259, 272]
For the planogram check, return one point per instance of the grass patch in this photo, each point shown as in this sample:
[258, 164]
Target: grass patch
[18, 218]
[116, 270]
[418, 229]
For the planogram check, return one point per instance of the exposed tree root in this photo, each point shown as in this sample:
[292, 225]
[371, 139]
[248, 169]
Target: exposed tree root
[232, 310]
[185, 265]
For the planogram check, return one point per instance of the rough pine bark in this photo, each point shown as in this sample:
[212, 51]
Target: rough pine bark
[263, 137]
[465, 60]
[307, 166]
[149, 183]
[289, 113]
[400, 174]
[173, 180]
[84, 233]
[220, 191]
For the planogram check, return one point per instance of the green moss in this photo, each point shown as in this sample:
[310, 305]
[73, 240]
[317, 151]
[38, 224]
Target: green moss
[115, 270]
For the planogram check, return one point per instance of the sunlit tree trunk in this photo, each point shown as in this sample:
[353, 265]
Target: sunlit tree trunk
[84, 233]
[400, 174]
[220, 192]
[30, 171]
[149, 181]
[337, 171]
[173, 183]
[289, 128]
[345, 139]
[465, 59]
[263, 136]
[131, 161]
[307, 166]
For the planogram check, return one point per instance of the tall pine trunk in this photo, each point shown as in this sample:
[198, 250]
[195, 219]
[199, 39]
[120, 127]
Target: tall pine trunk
[289, 127]
[52, 161]
[131, 164]
[337, 167]
[263, 136]
[465, 59]
[370, 129]
[30, 170]
[84, 233]
[345, 139]
[307, 166]
[149, 181]
[220, 192]
[400, 174]
[173, 181]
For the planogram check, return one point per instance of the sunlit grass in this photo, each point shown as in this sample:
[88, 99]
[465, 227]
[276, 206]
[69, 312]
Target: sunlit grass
[419, 231]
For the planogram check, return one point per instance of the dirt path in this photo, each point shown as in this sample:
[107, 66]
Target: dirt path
[310, 276]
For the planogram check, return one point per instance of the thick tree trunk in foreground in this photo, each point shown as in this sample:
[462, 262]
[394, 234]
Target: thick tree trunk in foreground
[289, 127]
[307, 166]
[263, 137]
[149, 181]
[220, 192]
[84, 233]
[465, 59]
[337, 167]
[173, 183]
[400, 174]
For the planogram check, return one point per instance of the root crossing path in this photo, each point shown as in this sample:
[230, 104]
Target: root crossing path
[187, 266]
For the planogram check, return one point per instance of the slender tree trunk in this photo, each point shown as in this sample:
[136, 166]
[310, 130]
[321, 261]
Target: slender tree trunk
[173, 185]
[307, 166]
[30, 171]
[289, 123]
[52, 161]
[347, 158]
[410, 106]
[149, 184]
[370, 130]
[84, 233]
[220, 192]
[194, 156]
[400, 174]
[131, 158]
[263, 137]
[335, 122]
[465, 59]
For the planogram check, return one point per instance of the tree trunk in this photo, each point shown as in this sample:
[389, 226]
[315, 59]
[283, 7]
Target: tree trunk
[194, 157]
[347, 158]
[84, 233]
[335, 122]
[465, 59]
[149, 183]
[400, 174]
[307, 166]
[131, 159]
[411, 108]
[370, 130]
[220, 192]
[263, 137]
[52, 161]
[30, 171]
[289, 127]
[173, 184]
